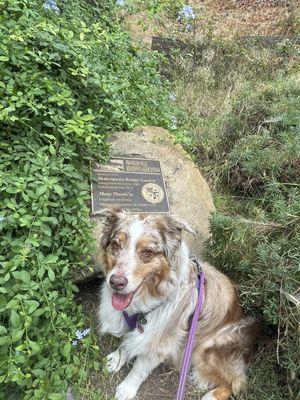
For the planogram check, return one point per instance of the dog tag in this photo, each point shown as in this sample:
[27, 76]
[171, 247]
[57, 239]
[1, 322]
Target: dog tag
[139, 327]
[143, 320]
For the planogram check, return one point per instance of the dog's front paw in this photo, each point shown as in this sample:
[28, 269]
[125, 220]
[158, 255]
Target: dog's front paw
[125, 392]
[115, 360]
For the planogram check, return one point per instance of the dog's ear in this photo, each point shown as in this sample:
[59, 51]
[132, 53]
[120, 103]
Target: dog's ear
[176, 225]
[113, 215]
[171, 229]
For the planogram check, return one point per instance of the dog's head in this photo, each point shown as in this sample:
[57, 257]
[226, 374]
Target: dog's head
[138, 252]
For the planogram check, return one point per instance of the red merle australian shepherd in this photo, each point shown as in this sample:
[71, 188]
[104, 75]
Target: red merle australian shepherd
[148, 272]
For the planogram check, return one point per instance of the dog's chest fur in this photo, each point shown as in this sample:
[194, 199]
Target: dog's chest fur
[167, 317]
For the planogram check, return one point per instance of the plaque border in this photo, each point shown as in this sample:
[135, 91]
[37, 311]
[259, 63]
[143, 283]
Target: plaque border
[95, 213]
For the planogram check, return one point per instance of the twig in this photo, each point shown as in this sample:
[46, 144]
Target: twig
[278, 327]
[260, 223]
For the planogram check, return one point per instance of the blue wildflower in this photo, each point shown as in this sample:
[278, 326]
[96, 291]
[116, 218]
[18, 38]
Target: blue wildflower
[86, 331]
[81, 334]
[187, 12]
[75, 342]
[50, 5]
[174, 121]
[120, 3]
[172, 96]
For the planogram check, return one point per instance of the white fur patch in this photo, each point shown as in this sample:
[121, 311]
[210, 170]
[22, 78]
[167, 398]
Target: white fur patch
[136, 230]
[196, 380]
[209, 396]
[125, 392]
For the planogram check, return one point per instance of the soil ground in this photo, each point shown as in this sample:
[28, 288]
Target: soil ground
[229, 18]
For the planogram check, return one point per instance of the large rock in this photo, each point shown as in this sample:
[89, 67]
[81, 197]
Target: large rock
[189, 194]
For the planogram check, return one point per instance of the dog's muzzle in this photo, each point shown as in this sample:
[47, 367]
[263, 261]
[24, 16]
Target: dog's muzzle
[118, 282]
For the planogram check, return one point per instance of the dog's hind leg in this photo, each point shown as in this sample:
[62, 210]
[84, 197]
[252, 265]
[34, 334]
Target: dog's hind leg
[221, 393]
[223, 368]
[197, 380]
[141, 369]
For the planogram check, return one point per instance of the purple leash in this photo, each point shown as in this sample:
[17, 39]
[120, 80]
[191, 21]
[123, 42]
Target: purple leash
[190, 342]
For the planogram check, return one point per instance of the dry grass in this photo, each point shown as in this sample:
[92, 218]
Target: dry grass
[249, 17]
[230, 18]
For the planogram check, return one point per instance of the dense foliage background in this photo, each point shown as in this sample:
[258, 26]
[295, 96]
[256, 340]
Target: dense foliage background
[242, 127]
[68, 76]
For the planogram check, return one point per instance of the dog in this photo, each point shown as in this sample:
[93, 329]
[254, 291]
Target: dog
[148, 272]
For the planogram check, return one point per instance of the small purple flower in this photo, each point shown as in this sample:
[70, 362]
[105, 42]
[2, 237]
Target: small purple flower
[81, 334]
[86, 331]
[75, 342]
[187, 12]
[50, 5]
[172, 96]
[120, 3]
[174, 121]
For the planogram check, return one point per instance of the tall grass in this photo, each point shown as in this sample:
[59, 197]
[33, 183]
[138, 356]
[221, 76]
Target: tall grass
[241, 114]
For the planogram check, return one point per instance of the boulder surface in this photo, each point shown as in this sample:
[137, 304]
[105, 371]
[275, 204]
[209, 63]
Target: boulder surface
[189, 195]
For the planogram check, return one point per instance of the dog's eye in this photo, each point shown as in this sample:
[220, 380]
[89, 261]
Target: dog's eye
[147, 253]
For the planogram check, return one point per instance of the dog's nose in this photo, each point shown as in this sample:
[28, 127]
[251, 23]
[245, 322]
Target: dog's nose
[118, 282]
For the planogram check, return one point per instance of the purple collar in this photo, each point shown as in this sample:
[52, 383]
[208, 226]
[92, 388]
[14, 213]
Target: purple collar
[131, 320]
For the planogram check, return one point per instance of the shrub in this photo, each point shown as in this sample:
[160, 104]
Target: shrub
[264, 142]
[262, 258]
[68, 76]
[245, 129]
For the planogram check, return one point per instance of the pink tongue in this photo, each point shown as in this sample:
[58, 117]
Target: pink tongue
[121, 301]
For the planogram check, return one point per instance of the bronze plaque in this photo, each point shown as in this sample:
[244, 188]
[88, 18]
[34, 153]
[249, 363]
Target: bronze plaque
[135, 184]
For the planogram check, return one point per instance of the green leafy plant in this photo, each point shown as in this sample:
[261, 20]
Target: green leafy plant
[69, 75]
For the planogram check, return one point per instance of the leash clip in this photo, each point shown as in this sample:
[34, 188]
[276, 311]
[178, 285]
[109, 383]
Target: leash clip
[196, 262]
[141, 320]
